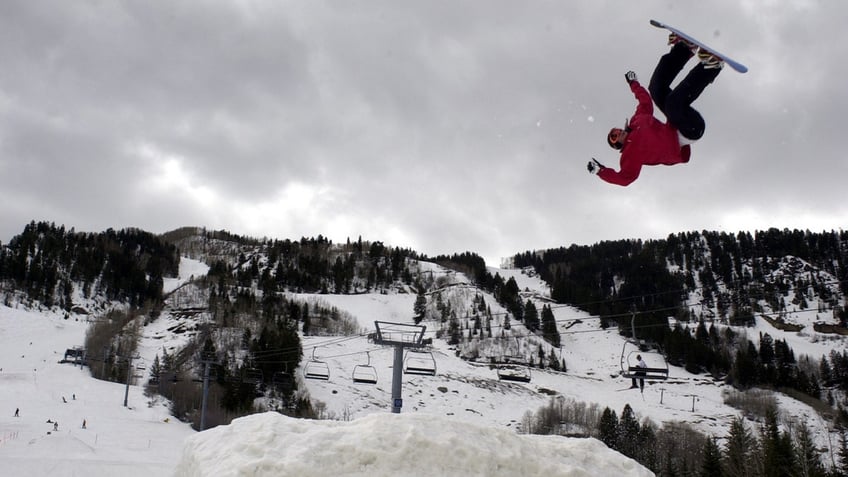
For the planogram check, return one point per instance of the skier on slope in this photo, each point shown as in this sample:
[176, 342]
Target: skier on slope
[646, 141]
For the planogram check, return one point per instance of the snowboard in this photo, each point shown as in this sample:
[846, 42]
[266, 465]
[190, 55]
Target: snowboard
[727, 60]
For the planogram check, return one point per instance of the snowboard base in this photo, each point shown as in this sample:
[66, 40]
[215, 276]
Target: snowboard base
[737, 66]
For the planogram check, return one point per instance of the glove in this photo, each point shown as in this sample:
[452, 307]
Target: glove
[630, 76]
[594, 166]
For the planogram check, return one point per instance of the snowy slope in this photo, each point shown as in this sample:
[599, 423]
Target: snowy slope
[472, 392]
[141, 439]
[138, 440]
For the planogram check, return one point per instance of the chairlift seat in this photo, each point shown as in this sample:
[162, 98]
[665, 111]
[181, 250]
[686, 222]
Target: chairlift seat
[420, 371]
[363, 374]
[646, 373]
[628, 370]
[316, 370]
[514, 374]
[282, 381]
[253, 376]
[420, 363]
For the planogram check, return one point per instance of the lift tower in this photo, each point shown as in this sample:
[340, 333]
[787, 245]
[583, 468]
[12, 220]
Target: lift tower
[399, 335]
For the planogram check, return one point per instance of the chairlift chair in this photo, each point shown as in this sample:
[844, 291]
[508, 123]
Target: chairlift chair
[315, 369]
[282, 381]
[253, 376]
[632, 348]
[629, 368]
[365, 373]
[420, 363]
[511, 372]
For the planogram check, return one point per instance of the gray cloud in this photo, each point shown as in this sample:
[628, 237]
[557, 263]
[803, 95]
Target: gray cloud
[442, 126]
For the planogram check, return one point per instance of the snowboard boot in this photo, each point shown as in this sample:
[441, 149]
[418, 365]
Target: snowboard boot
[709, 60]
[674, 39]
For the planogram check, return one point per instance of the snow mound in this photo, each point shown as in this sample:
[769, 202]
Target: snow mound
[390, 445]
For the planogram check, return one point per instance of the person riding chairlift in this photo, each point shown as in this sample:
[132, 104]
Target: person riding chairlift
[639, 364]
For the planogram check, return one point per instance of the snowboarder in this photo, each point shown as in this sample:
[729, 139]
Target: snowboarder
[83, 424]
[646, 141]
[17, 412]
[56, 425]
[640, 363]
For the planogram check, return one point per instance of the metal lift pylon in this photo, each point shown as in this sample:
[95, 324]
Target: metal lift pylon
[400, 336]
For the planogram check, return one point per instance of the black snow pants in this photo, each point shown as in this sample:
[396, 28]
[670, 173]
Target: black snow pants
[676, 103]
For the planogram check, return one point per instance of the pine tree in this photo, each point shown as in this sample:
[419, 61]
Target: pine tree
[454, 330]
[842, 467]
[446, 310]
[777, 453]
[420, 306]
[488, 325]
[508, 295]
[646, 452]
[67, 293]
[155, 369]
[766, 354]
[541, 354]
[608, 428]
[553, 361]
[738, 450]
[711, 464]
[628, 432]
[744, 370]
[806, 455]
[167, 361]
[306, 321]
[549, 326]
[701, 333]
[531, 317]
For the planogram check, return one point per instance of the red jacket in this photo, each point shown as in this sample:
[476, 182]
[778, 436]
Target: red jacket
[650, 142]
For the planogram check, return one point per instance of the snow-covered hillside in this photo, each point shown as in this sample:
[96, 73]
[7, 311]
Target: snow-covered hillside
[473, 392]
[142, 439]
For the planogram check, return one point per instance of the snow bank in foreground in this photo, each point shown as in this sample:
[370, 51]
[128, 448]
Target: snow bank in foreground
[391, 445]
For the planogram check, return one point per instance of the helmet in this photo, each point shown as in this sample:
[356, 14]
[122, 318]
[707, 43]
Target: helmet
[614, 138]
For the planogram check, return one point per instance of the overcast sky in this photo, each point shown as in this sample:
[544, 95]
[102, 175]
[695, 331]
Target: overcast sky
[442, 126]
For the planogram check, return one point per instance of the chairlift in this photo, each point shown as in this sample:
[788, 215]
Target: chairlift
[253, 376]
[420, 363]
[282, 381]
[315, 369]
[167, 377]
[365, 373]
[657, 369]
[512, 372]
